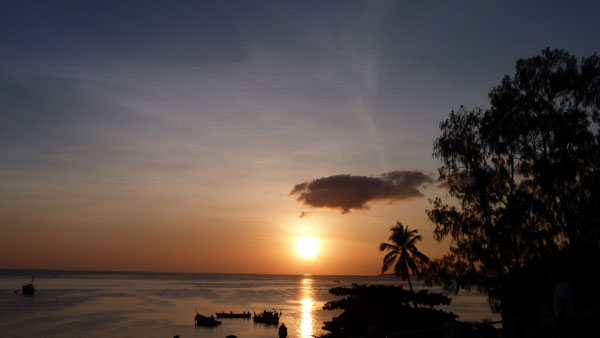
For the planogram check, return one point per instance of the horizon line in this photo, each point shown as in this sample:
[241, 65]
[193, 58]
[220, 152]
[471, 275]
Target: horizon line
[189, 273]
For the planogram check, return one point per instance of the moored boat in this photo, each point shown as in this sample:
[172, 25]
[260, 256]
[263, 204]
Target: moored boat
[206, 321]
[29, 289]
[233, 315]
[267, 317]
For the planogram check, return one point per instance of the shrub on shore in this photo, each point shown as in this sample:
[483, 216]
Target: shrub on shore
[380, 309]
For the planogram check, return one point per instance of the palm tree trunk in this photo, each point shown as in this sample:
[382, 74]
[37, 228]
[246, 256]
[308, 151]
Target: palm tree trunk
[411, 290]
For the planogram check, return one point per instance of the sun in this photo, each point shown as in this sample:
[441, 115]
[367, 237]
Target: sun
[307, 247]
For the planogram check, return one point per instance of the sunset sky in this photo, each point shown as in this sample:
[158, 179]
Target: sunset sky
[212, 136]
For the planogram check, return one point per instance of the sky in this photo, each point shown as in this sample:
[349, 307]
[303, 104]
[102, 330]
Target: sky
[201, 136]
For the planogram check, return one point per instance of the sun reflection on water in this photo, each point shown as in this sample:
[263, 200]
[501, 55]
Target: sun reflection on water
[307, 303]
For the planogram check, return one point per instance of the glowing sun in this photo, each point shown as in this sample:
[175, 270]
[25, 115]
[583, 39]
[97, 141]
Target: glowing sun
[307, 247]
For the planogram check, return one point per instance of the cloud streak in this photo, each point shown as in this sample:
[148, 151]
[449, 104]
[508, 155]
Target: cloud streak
[347, 192]
[305, 214]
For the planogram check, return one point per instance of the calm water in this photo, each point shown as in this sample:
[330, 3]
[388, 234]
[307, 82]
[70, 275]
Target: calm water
[108, 304]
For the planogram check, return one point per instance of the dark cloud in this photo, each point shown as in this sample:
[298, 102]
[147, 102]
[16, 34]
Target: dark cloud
[304, 214]
[346, 192]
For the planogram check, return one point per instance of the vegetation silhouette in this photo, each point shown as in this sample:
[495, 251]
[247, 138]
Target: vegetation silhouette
[377, 309]
[404, 253]
[524, 180]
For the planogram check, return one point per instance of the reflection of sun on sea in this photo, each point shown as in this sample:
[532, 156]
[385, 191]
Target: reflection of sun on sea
[307, 247]
[306, 302]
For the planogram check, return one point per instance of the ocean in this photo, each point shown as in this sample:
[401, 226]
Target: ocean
[121, 304]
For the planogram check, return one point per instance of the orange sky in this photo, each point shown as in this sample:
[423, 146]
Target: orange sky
[168, 234]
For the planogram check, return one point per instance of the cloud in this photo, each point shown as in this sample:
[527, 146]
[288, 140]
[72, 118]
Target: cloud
[304, 214]
[347, 192]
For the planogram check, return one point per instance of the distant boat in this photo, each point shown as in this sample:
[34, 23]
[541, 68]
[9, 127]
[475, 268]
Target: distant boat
[29, 289]
[267, 317]
[206, 321]
[233, 315]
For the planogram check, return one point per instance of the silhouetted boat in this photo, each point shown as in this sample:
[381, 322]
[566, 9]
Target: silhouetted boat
[206, 321]
[233, 315]
[267, 317]
[29, 289]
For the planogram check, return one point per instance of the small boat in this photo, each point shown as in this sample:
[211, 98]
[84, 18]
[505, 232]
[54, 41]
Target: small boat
[233, 315]
[206, 321]
[29, 289]
[267, 317]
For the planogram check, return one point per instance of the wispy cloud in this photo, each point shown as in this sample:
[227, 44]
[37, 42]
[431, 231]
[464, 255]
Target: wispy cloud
[370, 80]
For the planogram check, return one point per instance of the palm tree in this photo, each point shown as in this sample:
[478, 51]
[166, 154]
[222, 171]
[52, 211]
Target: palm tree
[404, 252]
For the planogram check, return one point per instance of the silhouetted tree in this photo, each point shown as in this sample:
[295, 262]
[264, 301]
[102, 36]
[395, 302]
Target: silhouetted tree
[403, 252]
[385, 308]
[524, 174]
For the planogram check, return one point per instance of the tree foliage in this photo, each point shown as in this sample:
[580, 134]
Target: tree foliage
[403, 253]
[523, 175]
[385, 308]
